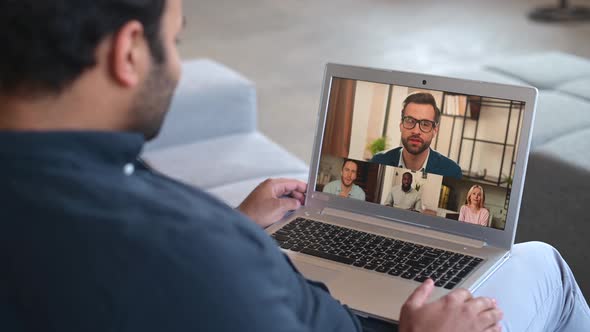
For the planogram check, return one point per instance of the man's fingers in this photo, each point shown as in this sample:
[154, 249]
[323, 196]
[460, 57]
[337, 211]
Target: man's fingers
[298, 196]
[490, 318]
[481, 304]
[496, 328]
[420, 295]
[286, 186]
[289, 204]
[459, 295]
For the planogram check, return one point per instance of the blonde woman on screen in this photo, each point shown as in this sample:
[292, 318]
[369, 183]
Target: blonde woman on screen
[474, 211]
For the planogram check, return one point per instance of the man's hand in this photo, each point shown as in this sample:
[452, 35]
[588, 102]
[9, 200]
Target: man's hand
[272, 199]
[458, 311]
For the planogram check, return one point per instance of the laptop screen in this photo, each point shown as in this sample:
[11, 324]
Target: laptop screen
[432, 152]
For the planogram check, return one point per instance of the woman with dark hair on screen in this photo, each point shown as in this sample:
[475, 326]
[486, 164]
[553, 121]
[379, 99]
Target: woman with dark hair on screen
[474, 211]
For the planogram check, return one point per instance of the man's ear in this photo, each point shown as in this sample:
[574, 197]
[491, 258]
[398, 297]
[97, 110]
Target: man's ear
[130, 54]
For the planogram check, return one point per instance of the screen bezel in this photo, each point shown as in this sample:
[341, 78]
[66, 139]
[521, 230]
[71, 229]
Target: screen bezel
[491, 236]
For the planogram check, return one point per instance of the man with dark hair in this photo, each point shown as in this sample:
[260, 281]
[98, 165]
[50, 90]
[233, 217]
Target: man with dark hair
[419, 125]
[345, 187]
[92, 240]
[404, 196]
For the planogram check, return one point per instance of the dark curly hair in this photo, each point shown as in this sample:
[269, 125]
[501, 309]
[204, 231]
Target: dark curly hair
[425, 99]
[47, 44]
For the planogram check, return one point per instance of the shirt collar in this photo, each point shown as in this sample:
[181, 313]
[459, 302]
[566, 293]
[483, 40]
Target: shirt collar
[403, 165]
[117, 148]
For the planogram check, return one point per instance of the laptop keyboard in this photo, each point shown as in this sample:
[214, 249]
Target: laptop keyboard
[377, 253]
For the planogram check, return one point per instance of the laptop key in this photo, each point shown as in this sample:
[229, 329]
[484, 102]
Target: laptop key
[296, 248]
[468, 268]
[382, 269]
[388, 264]
[407, 249]
[325, 255]
[431, 255]
[440, 283]
[390, 258]
[421, 278]
[359, 263]
[280, 237]
[286, 245]
[450, 285]
[473, 263]
[402, 267]
[409, 275]
[394, 272]
[378, 261]
[465, 260]
[370, 266]
[414, 270]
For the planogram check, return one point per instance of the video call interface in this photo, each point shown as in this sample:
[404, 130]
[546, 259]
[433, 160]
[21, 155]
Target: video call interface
[432, 152]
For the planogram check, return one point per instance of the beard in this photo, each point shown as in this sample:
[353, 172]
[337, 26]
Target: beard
[346, 183]
[415, 150]
[152, 102]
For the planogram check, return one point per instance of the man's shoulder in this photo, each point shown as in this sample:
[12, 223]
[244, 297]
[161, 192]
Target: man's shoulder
[331, 186]
[439, 164]
[358, 190]
[390, 157]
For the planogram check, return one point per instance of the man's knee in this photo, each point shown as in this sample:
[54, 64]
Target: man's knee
[540, 255]
[537, 246]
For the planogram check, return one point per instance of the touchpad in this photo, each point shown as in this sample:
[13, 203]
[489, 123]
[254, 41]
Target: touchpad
[316, 272]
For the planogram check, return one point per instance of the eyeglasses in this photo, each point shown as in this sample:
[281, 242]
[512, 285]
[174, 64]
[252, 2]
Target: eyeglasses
[425, 125]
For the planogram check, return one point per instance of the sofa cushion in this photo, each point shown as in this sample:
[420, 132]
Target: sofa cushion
[211, 101]
[223, 161]
[578, 88]
[479, 74]
[544, 70]
[558, 114]
[570, 149]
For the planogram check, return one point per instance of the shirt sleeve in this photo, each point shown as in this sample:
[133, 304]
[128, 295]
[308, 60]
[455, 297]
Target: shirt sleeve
[329, 188]
[418, 204]
[484, 217]
[389, 200]
[361, 194]
[462, 213]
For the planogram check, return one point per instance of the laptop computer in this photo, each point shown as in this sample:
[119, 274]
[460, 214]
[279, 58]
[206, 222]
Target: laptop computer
[412, 176]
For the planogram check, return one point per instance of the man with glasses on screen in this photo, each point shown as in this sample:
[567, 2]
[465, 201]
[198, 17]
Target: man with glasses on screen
[419, 125]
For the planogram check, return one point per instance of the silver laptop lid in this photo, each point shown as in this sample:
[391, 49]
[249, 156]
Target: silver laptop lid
[476, 160]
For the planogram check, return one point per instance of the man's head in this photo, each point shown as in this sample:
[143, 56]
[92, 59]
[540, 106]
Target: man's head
[419, 123]
[349, 172]
[111, 64]
[407, 179]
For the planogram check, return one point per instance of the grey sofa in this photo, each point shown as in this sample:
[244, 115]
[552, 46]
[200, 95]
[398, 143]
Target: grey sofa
[210, 140]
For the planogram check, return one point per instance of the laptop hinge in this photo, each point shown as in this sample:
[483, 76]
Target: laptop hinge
[402, 226]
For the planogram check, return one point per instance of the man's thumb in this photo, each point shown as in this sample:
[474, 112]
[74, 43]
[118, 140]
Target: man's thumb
[420, 295]
[289, 204]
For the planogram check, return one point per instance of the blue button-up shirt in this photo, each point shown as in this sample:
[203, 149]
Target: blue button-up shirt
[91, 240]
